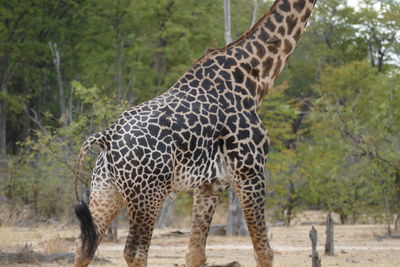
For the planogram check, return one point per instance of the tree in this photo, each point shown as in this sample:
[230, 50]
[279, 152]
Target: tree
[379, 25]
[353, 143]
[11, 23]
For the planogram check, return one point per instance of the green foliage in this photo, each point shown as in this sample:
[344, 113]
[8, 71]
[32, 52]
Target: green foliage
[333, 116]
[353, 149]
[38, 177]
[41, 175]
[379, 23]
[183, 204]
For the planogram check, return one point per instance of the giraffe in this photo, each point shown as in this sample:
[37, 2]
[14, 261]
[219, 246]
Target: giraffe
[203, 134]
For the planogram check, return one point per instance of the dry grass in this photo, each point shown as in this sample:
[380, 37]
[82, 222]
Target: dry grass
[15, 216]
[57, 245]
[13, 240]
[49, 239]
[356, 245]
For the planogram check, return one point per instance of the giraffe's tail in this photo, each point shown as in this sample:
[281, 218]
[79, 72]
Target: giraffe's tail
[88, 231]
[99, 139]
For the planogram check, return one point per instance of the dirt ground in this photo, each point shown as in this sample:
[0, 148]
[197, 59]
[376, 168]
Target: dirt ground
[355, 245]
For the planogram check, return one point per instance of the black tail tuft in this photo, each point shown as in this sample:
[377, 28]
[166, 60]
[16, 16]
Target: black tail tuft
[88, 232]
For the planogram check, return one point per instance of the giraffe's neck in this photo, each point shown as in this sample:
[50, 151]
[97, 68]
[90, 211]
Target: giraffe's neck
[261, 53]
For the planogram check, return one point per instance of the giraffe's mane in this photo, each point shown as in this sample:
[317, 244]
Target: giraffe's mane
[250, 31]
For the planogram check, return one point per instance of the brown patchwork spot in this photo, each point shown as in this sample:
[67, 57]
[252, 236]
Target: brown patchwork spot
[287, 47]
[277, 68]
[281, 30]
[285, 6]
[262, 92]
[255, 73]
[263, 35]
[267, 65]
[270, 25]
[291, 22]
[251, 86]
[240, 53]
[249, 48]
[306, 15]
[246, 67]
[260, 49]
[278, 17]
[254, 62]
[299, 5]
[297, 34]
[238, 75]
[272, 49]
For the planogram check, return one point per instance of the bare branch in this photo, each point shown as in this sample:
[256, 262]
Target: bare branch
[35, 119]
[227, 13]
[120, 61]
[254, 14]
[70, 103]
[57, 62]
[361, 145]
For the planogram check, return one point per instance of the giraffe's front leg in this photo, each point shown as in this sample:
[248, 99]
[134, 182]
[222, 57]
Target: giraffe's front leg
[252, 197]
[204, 203]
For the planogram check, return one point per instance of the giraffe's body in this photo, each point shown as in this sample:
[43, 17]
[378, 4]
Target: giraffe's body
[202, 134]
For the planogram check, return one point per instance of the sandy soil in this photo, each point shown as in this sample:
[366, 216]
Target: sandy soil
[355, 245]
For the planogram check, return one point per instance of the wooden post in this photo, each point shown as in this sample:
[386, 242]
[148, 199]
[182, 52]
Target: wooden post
[316, 261]
[329, 248]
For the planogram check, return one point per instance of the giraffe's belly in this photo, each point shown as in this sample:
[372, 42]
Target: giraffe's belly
[191, 175]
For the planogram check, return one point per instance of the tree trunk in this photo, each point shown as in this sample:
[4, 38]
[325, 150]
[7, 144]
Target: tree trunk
[254, 13]
[166, 216]
[290, 202]
[329, 246]
[236, 224]
[4, 67]
[70, 103]
[397, 188]
[160, 63]
[316, 261]
[112, 232]
[7, 69]
[120, 62]
[371, 54]
[227, 13]
[388, 209]
[57, 64]
[3, 131]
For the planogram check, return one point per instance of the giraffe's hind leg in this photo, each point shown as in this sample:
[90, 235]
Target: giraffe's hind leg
[252, 196]
[204, 202]
[105, 202]
[143, 210]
